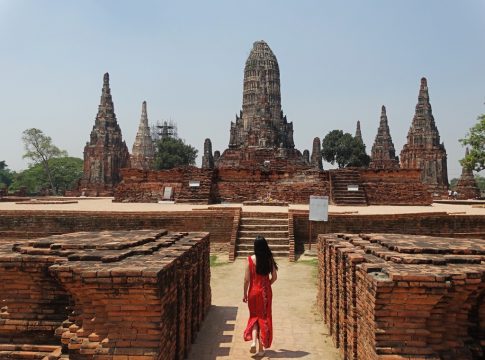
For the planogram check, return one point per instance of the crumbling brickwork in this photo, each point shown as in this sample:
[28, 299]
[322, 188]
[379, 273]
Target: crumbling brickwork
[423, 149]
[395, 187]
[383, 154]
[467, 187]
[261, 132]
[127, 294]
[401, 297]
[143, 151]
[290, 185]
[105, 153]
[189, 184]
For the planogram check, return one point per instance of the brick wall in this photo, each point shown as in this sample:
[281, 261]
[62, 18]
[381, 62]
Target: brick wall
[111, 295]
[292, 186]
[148, 186]
[28, 224]
[402, 296]
[434, 224]
[395, 187]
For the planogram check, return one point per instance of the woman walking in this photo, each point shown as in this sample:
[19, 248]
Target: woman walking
[259, 276]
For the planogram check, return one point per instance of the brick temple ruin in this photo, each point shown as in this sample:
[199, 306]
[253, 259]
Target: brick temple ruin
[383, 154]
[467, 187]
[106, 152]
[423, 149]
[261, 162]
[143, 153]
[402, 296]
[107, 295]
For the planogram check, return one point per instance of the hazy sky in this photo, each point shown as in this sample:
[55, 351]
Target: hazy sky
[339, 62]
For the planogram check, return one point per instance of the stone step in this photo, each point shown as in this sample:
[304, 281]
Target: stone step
[271, 241]
[270, 234]
[264, 215]
[244, 253]
[263, 227]
[265, 220]
[273, 247]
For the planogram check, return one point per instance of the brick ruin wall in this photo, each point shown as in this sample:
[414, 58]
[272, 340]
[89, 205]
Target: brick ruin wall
[285, 183]
[433, 224]
[31, 224]
[292, 186]
[221, 224]
[112, 295]
[395, 187]
[403, 297]
[148, 185]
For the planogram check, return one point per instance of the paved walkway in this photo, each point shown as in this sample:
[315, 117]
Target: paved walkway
[299, 332]
[105, 204]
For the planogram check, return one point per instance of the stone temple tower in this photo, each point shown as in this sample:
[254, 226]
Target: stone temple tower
[261, 131]
[383, 155]
[467, 187]
[143, 152]
[106, 152]
[423, 149]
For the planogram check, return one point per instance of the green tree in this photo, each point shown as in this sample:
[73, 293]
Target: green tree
[6, 176]
[65, 173]
[173, 152]
[39, 149]
[476, 139]
[344, 149]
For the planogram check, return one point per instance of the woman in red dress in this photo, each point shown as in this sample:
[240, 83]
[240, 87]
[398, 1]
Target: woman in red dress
[258, 295]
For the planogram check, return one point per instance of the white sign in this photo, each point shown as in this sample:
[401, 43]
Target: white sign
[194, 183]
[167, 193]
[318, 208]
[352, 187]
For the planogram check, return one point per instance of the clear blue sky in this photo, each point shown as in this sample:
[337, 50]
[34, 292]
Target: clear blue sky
[339, 62]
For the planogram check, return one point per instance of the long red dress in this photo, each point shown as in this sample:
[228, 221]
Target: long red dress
[259, 303]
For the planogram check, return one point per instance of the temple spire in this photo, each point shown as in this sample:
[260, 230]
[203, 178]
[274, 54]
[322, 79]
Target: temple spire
[358, 133]
[143, 152]
[423, 149]
[383, 153]
[466, 186]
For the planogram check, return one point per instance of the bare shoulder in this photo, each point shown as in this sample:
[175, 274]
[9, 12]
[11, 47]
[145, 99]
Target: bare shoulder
[253, 257]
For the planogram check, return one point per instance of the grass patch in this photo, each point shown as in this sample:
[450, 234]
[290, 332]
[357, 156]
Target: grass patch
[215, 262]
[311, 262]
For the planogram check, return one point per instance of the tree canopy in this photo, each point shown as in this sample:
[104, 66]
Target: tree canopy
[344, 149]
[172, 152]
[65, 172]
[476, 139]
[39, 149]
[6, 176]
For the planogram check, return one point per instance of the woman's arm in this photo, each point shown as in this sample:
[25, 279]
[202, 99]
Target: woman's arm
[246, 283]
[274, 275]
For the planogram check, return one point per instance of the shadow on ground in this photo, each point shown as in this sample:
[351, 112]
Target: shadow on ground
[215, 337]
[284, 354]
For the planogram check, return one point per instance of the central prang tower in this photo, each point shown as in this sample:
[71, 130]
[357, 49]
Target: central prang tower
[261, 132]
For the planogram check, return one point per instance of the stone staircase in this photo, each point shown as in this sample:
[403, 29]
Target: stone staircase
[273, 226]
[341, 180]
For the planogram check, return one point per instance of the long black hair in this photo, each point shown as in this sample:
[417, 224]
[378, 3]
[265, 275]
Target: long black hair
[264, 257]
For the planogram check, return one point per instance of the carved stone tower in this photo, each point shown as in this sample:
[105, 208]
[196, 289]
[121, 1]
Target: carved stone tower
[143, 152]
[106, 152]
[467, 187]
[423, 149]
[316, 159]
[261, 131]
[358, 133]
[207, 158]
[383, 155]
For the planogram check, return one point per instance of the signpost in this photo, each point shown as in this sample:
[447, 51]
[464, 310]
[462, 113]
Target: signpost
[318, 212]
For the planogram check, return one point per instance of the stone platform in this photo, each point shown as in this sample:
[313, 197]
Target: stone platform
[403, 296]
[104, 295]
